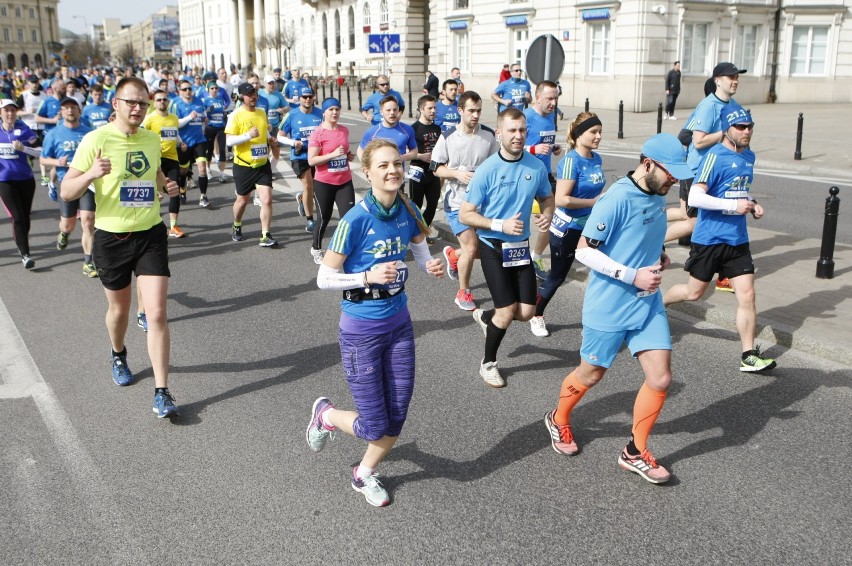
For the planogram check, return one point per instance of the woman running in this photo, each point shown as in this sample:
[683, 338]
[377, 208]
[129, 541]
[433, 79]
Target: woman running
[328, 151]
[365, 261]
[17, 183]
[579, 182]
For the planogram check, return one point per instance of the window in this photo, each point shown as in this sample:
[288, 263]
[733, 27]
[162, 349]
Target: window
[694, 48]
[520, 45]
[32, 13]
[383, 13]
[460, 4]
[17, 11]
[3, 11]
[600, 48]
[366, 14]
[25, 60]
[34, 35]
[461, 42]
[20, 35]
[351, 25]
[325, 34]
[337, 40]
[746, 48]
[7, 35]
[808, 50]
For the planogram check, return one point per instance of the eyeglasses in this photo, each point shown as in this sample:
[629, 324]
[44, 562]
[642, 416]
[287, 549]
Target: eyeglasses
[743, 127]
[669, 176]
[143, 104]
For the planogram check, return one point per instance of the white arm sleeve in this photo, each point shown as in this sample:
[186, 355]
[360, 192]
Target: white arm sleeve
[232, 140]
[330, 279]
[700, 199]
[184, 121]
[421, 255]
[32, 151]
[285, 140]
[600, 262]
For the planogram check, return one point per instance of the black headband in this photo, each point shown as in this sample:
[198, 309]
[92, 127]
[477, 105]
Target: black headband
[585, 125]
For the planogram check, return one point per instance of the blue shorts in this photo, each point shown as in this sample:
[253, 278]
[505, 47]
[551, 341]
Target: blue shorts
[600, 347]
[453, 220]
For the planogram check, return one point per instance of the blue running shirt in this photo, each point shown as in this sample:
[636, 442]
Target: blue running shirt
[589, 181]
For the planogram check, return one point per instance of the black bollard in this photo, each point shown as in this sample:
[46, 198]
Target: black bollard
[348, 99]
[360, 100]
[339, 86]
[587, 104]
[323, 90]
[621, 119]
[660, 118]
[798, 155]
[410, 114]
[825, 265]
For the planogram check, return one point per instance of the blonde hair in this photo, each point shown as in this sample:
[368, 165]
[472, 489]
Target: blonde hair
[581, 117]
[367, 162]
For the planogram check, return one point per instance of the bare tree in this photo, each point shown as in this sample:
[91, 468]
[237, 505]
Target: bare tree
[282, 39]
[125, 54]
[84, 51]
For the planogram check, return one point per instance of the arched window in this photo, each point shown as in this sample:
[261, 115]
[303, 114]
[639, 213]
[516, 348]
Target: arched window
[384, 18]
[337, 39]
[351, 24]
[37, 60]
[25, 60]
[10, 60]
[303, 48]
[325, 34]
[311, 57]
[367, 14]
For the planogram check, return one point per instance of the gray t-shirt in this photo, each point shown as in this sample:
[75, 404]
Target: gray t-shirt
[464, 152]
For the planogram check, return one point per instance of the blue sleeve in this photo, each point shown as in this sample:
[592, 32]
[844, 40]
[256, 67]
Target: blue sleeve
[285, 127]
[412, 137]
[400, 100]
[705, 118]
[603, 218]
[543, 185]
[476, 189]
[368, 136]
[47, 146]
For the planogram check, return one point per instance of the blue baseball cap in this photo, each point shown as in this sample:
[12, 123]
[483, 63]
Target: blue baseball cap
[306, 91]
[733, 113]
[669, 152]
[330, 103]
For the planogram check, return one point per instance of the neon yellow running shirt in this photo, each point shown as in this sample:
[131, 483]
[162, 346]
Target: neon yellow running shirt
[167, 128]
[253, 153]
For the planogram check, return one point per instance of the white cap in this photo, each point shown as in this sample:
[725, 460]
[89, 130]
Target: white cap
[4, 102]
[268, 79]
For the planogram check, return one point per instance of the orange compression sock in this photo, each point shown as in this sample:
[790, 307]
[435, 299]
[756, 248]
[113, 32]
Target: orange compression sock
[569, 395]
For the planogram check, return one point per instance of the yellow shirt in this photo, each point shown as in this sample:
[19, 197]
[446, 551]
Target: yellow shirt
[253, 153]
[167, 128]
[126, 198]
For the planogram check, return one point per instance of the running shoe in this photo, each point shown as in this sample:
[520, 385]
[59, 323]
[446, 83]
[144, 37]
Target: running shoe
[27, 261]
[372, 489]
[538, 327]
[300, 205]
[317, 434]
[723, 284]
[477, 316]
[464, 299]
[203, 202]
[44, 181]
[52, 192]
[309, 227]
[164, 404]
[645, 465]
[190, 183]
[142, 321]
[237, 233]
[452, 265]
[61, 241]
[560, 436]
[256, 200]
[222, 178]
[541, 272]
[182, 196]
[491, 375]
[317, 255]
[176, 232]
[267, 241]
[121, 374]
[753, 362]
[89, 270]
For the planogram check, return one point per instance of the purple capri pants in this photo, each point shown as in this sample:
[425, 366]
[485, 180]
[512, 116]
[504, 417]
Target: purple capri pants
[380, 372]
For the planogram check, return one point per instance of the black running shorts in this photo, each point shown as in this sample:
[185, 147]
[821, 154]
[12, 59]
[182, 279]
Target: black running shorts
[508, 285]
[118, 255]
[68, 209]
[728, 261]
[300, 167]
[246, 179]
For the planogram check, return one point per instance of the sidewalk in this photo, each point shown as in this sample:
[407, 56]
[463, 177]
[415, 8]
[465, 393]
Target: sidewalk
[795, 309]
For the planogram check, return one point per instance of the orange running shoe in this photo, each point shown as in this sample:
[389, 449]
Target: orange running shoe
[176, 232]
[560, 436]
[723, 284]
[645, 465]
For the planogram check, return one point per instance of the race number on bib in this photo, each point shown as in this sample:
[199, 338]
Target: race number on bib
[401, 278]
[559, 224]
[259, 152]
[516, 253]
[7, 151]
[137, 194]
[338, 164]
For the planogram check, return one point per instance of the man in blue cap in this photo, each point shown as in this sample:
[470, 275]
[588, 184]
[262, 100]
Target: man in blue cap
[622, 244]
[720, 244]
[297, 127]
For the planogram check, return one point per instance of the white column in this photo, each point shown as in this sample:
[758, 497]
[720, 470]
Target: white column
[241, 17]
[275, 61]
[235, 29]
[258, 31]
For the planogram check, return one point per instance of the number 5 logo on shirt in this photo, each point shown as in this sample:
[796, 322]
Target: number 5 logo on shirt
[137, 163]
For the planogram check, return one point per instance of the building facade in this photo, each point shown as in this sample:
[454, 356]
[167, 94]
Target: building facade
[794, 50]
[29, 33]
[156, 39]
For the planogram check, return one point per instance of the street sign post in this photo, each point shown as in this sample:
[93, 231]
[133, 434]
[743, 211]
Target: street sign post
[545, 59]
[384, 43]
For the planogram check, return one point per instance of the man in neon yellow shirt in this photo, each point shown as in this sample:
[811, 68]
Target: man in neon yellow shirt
[122, 162]
[166, 125]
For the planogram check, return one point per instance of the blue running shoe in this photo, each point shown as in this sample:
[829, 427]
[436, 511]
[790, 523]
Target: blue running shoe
[52, 192]
[142, 321]
[372, 489]
[164, 404]
[121, 374]
[309, 227]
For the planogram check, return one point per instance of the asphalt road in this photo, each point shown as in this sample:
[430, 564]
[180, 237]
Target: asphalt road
[88, 475]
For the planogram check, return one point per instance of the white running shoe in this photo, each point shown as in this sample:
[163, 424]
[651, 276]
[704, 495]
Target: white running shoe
[317, 255]
[538, 327]
[491, 375]
[256, 200]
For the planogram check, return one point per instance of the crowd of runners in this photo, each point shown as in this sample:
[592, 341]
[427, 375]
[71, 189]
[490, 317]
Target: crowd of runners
[112, 157]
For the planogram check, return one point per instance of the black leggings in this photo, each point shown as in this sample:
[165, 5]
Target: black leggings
[211, 135]
[430, 187]
[18, 199]
[325, 196]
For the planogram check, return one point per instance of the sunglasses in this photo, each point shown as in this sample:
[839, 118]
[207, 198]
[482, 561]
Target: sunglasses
[185, 89]
[743, 127]
[382, 84]
[669, 176]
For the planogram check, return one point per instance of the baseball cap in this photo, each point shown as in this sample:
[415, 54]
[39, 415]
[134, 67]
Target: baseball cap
[733, 113]
[4, 102]
[209, 76]
[268, 79]
[668, 151]
[245, 89]
[276, 70]
[69, 99]
[32, 79]
[330, 103]
[306, 91]
[727, 69]
[211, 84]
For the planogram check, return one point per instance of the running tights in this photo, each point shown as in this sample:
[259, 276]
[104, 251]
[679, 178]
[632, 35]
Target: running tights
[429, 187]
[562, 252]
[325, 197]
[17, 197]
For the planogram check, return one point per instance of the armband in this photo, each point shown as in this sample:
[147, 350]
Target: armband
[531, 149]
[421, 255]
[600, 262]
[332, 279]
[497, 225]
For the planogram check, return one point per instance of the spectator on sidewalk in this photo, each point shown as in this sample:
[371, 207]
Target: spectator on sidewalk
[672, 90]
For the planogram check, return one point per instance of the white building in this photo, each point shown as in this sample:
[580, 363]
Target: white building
[794, 50]
[29, 33]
